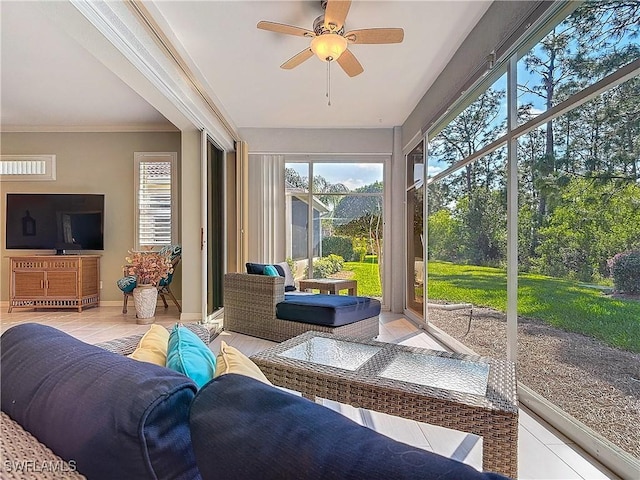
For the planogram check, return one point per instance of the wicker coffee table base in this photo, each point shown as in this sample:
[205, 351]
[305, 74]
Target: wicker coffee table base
[493, 416]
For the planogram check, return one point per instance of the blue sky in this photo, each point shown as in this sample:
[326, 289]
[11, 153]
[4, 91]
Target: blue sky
[352, 175]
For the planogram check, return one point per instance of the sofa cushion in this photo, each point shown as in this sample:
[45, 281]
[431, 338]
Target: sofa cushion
[282, 268]
[189, 355]
[271, 271]
[242, 428]
[113, 416]
[289, 282]
[329, 310]
[232, 360]
[258, 268]
[153, 346]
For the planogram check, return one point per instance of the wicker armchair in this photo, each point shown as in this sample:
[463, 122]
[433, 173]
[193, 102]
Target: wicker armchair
[250, 308]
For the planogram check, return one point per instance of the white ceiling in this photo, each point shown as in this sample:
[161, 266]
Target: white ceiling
[48, 79]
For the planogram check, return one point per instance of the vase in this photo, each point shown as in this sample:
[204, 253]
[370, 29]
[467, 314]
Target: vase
[145, 298]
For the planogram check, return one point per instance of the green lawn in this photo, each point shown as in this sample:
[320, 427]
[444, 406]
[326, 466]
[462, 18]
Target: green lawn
[564, 304]
[561, 303]
[367, 276]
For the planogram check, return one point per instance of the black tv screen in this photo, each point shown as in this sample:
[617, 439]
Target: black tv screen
[60, 221]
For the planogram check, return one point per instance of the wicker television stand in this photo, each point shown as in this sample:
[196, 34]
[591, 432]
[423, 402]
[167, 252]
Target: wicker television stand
[54, 281]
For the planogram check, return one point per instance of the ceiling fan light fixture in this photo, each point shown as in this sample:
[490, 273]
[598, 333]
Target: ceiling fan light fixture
[328, 46]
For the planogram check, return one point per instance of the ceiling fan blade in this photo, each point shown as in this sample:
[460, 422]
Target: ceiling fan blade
[297, 59]
[286, 29]
[350, 64]
[335, 13]
[375, 35]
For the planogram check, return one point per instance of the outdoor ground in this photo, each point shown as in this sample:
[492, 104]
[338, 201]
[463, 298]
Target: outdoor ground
[597, 384]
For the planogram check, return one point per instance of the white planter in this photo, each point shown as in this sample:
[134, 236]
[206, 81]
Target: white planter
[145, 298]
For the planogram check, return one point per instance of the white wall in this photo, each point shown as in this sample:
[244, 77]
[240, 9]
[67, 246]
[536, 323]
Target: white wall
[319, 140]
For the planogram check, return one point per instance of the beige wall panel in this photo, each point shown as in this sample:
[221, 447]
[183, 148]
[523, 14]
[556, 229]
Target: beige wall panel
[89, 163]
[191, 221]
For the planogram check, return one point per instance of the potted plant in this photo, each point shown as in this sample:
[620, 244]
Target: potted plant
[149, 267]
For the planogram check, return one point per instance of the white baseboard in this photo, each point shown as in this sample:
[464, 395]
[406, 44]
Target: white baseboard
[110, 303]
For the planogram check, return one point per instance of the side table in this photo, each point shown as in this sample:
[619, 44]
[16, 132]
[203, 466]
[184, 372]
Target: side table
[330, 285]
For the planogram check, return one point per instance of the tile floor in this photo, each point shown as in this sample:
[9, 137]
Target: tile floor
[543, 453]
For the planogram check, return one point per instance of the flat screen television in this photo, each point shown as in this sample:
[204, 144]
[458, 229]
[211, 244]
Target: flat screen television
[60, 221]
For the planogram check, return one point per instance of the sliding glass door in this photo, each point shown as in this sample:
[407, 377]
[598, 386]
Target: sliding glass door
[415, 280]
[334, 221]
[215, 227]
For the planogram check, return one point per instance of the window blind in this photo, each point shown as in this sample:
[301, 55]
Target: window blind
[154, 203]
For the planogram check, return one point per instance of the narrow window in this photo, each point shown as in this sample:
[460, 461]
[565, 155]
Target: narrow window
[27, 168]
[155, 199]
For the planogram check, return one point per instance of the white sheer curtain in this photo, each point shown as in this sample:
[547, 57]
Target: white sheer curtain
[266, 209]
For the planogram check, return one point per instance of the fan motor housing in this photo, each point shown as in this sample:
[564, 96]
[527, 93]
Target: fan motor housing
[319, 28]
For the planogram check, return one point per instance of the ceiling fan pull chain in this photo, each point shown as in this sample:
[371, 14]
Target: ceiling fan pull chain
[329, 82]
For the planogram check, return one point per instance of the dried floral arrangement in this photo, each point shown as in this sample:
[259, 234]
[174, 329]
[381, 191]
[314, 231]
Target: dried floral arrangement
[148, 267]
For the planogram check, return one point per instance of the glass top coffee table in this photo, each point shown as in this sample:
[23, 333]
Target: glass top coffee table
[462, 392]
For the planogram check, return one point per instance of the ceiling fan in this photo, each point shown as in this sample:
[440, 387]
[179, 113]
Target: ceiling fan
[328, 39]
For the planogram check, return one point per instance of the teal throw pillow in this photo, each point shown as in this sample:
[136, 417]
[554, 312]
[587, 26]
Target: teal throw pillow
[271, 271]
[189, 355]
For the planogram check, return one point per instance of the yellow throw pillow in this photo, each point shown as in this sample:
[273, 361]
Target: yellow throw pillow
[153, 346]
[232, 360]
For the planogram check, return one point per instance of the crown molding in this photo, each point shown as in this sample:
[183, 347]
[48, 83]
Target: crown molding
[125, 128]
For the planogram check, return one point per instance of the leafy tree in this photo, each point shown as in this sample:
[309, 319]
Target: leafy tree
[598, 141]
[342, 246]
[294, 179]
[472, 129]
[361, 216]
[593, 222]
[483, 240]
[323, 190]
[466, 194]
[444, 236]
[591, 43]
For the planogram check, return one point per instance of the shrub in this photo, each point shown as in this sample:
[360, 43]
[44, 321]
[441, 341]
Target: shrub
[292, 265]
[326, 266]
[625, 270]
[338, 245]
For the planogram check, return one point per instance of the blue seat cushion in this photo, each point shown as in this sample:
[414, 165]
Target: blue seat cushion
[328, 310]
[242, 428]
[115, 417]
